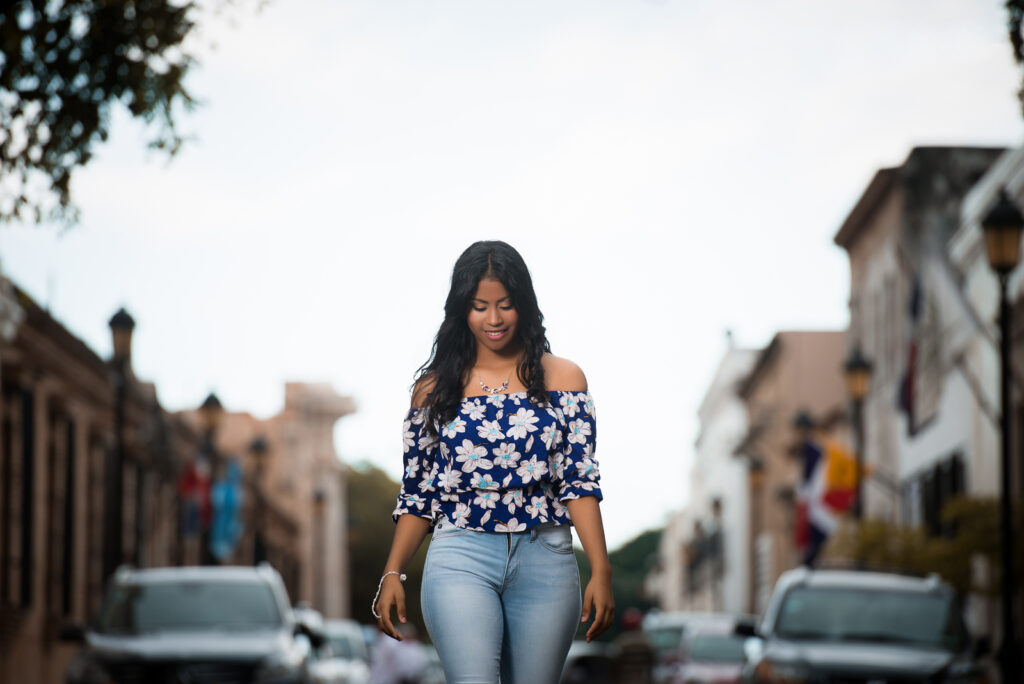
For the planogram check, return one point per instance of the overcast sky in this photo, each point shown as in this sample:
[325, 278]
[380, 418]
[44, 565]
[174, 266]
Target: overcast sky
[669, 170]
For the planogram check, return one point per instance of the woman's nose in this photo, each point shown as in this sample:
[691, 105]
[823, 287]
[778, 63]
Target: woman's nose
[494, 316]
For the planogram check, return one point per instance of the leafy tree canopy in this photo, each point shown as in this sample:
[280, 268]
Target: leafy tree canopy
[63, 65]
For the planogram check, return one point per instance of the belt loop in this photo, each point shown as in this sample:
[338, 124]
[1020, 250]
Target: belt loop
[533, 534]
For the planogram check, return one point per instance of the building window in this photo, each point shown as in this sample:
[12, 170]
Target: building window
[925, 495]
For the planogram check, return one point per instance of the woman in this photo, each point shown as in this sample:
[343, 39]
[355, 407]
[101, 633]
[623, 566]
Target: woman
[499, 463]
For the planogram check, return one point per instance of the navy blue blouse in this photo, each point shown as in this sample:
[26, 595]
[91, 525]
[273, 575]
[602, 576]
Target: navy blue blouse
[503, 464]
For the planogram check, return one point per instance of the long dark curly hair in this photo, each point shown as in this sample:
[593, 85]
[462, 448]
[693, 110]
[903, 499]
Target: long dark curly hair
[454, 351]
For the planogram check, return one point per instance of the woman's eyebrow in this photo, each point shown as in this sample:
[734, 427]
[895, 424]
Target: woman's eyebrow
[484, 301]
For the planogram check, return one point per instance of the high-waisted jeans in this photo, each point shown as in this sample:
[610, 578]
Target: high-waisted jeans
[505, 602]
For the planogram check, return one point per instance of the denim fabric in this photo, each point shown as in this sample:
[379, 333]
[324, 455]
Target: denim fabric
[505, 602]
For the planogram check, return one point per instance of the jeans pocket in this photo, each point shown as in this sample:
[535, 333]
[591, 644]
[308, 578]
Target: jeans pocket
[556, 538]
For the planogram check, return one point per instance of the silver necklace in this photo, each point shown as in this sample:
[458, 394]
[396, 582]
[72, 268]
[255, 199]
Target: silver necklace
[496, 390]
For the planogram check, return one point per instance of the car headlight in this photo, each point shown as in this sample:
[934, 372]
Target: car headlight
[773, 672]
[284, 668]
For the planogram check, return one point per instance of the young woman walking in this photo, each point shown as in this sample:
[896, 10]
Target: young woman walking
[499, 463]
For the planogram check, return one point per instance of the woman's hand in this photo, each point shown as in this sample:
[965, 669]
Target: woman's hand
[392, 595]
[599, 601]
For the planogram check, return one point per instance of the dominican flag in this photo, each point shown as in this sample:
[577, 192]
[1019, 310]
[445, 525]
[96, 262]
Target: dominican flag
[828, 486]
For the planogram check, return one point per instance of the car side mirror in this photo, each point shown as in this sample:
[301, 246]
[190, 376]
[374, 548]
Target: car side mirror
[73, 632]
[982, 647]
[745, 629]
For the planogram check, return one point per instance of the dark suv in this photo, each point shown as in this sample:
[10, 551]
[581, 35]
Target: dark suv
[194, 625]
[829, 626]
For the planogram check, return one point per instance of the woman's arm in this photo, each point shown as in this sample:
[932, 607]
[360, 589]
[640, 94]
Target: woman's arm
[586, 518]
[409, 534]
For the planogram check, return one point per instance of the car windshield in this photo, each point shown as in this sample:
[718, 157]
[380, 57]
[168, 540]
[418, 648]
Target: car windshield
[344, 647]
[188, 605]
[854, 614]
[664, 639]
[718, 648]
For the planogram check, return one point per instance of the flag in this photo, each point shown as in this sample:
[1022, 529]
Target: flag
[907, 398]
[828, 486]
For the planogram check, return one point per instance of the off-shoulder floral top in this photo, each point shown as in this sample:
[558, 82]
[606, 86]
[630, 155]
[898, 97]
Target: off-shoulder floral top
[503, 464]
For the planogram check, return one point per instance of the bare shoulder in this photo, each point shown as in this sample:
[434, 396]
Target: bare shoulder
[563, 375]
[423, 387]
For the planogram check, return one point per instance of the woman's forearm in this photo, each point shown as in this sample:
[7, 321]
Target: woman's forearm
[586, 518]
[409, 534]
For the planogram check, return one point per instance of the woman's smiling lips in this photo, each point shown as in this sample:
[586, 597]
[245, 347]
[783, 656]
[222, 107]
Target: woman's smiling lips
[496, 334]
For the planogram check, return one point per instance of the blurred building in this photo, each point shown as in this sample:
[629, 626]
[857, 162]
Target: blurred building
[703, 558]
[88, 466]
[295, 508]
[799, 372]
[924, 306]
[95, 473]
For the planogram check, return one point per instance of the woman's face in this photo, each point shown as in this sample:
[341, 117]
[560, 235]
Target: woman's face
[492, 318]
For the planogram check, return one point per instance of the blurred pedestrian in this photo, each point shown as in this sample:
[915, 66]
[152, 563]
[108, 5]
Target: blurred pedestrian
[499, 462]
[632, 654]
[398, 662]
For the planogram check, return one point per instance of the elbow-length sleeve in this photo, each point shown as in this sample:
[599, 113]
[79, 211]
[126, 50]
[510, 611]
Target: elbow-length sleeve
[418, 494]
[578, 474]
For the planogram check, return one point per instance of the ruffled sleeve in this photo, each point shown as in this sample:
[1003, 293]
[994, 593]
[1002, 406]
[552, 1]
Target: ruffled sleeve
[418, 494]
[576, 473]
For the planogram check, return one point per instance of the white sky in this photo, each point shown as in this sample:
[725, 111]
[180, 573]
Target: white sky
[667, 169]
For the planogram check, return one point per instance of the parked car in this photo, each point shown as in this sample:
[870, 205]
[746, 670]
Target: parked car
[713, 652]
[850, 626]
[202, 625]
[343, 658]
[586, 663]
[666, 631]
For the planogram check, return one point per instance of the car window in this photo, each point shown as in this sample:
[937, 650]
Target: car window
[173, 606]
[853, 614]
[664, 639]
[717, 648]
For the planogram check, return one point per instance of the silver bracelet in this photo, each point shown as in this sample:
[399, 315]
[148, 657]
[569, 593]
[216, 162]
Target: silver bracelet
[373, 605]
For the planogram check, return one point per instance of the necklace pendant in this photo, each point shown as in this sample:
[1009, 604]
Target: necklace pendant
[494, 390]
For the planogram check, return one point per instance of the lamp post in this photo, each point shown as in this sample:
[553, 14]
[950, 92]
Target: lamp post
[210, 413]
[319, 555]
[1002, 228]
[258, 449]
[121, 327]
[857, 371]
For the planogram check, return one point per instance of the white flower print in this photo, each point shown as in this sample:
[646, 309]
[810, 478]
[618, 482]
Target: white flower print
[490, 430]
[588, 405]
[512, 525]
[570, 404]
[412, 467]
[454, 427]
[587, 468]
[513, 499]
[496, 400]
[449, 479]
[556, 464]
[415, 500]
[532, 470]
[461, 514]
[551, 436]
[474, 410]
[522, 422]
[408, 436]
[427, 483]
[427, 443]
[485, 498]
[578, 431]
[538, 506]
[483, 481]
[472, 457]
[505, 455]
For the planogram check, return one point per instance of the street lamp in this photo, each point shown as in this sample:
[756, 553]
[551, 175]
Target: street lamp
[857, 371]
[1002, 228]
[210, 413]
[121, 327]
[319, 556]
[258, 448]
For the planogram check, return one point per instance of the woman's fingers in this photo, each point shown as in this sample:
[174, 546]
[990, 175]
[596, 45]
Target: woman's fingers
[389, 600]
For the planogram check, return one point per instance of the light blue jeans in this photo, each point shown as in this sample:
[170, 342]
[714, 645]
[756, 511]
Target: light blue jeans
[501, 602]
